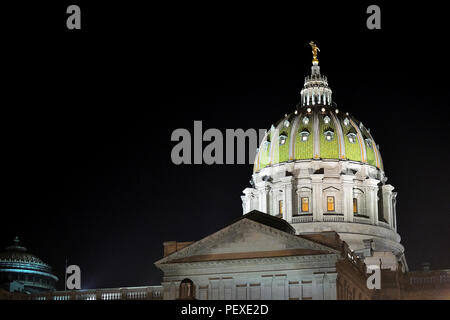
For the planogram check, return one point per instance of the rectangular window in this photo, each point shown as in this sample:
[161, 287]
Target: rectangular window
[355, 205]
[305, 204]
[280, 207]
[330, 203]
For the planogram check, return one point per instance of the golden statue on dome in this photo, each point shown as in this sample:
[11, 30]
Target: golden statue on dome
[315, 48]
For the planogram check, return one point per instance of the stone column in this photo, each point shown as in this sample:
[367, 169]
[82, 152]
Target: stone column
[288, 206]
[317, 190]
[331, 292]
[387, 203]
[371, 199]
[317, 286]
[347, 187]
[394, 209]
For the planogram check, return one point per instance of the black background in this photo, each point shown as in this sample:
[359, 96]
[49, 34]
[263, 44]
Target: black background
[88, 115]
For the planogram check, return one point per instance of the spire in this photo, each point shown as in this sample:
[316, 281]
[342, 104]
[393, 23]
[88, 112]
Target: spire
[315, 90]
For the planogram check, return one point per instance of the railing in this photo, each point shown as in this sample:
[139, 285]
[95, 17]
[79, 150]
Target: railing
[430, 280]
[127, 293]
[333, 218]
[302, 219]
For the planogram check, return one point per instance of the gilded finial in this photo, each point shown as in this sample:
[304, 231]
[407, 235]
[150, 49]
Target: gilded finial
[315, 48]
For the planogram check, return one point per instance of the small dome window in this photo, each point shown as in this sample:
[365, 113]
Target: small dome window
[346, 121]
[326, 119]
[304, 135]
[308, 110]
[369, 142]
[305, 120]
[266, 144]
[283, 138]
[329, 134]
[286, 123]
[351, 137]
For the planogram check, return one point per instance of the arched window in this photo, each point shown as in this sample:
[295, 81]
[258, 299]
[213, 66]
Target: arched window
[283, 138]
[187, 289]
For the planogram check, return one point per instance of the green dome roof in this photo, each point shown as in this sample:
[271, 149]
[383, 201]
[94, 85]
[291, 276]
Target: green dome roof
[317, 132]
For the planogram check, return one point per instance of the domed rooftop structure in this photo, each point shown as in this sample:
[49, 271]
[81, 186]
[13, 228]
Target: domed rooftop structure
[320, 169]
[317, 130]
[20, 270]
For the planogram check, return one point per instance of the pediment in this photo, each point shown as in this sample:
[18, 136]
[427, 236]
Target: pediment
[246, 239]
[331, 188]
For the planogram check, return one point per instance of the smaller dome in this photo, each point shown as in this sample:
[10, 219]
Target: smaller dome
[16, 253]
[21, 270]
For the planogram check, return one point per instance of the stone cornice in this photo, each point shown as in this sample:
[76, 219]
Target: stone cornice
[299, 261]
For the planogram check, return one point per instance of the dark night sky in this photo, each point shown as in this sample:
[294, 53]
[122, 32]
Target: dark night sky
[88, 116]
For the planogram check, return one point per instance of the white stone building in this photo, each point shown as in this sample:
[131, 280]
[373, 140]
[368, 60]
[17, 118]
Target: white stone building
[319, 171]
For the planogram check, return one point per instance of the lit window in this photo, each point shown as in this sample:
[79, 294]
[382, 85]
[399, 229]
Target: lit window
[369, 142]
[286, 123]
[326, 119]
[280, 207]
[355, 205]
[304, 135]
[283, 139]
[329, 135]
[266, 144]
[351, 137]
[346, 121]
[308, 110]
[330, 203]
[305, 204]
[305, 120]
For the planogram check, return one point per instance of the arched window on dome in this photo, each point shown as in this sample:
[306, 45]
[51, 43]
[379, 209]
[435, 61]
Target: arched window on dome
[351, 137]
[305, 120]
[355, 206]
[329, 134]
[304, 134]
[283, 138]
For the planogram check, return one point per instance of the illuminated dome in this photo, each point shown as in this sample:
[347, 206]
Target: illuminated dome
[320, 169]
[317, 130]
[20, 270]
